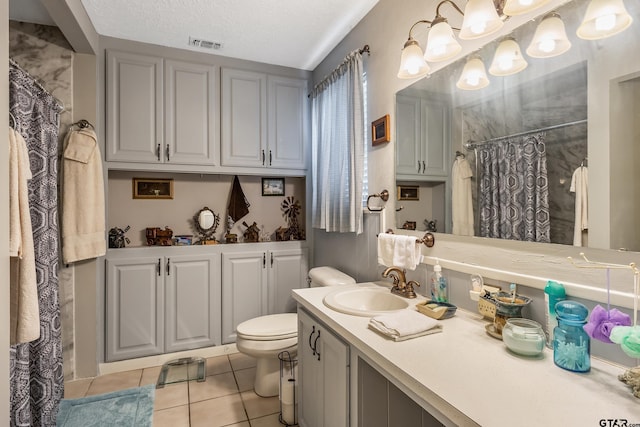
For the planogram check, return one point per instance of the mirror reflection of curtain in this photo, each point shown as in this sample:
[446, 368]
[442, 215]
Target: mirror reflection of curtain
[513, 189]
[337, 128]
[36, 376]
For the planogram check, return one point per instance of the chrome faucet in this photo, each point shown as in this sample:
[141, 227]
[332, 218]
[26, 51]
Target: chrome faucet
[400, 285]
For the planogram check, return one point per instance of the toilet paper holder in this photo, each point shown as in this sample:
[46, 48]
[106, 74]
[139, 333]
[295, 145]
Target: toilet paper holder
[384, 195]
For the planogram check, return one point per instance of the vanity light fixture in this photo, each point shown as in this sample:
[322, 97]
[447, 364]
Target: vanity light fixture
[604, 18]
[473, 75]
[520, 7]
[412, 63]
[480, 19]
[550, 38]
[508, 59]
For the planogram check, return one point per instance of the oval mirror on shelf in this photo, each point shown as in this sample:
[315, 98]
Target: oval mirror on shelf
[206, 222]
[206, 218]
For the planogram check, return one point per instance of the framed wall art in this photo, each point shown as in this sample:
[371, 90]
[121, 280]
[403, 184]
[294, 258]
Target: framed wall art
[380, 130]
[408, 192]
[152, 188]
[273, 186]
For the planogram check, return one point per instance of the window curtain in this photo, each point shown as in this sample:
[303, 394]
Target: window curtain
[337, 128]
[513, 190]
[36, 376]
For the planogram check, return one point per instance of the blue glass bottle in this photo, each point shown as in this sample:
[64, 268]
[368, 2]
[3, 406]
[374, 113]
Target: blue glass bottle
[571, 344]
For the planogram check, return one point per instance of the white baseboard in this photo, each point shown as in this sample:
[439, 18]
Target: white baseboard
[160, 359]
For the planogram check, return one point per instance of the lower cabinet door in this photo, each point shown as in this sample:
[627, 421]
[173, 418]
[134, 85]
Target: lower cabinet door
[323, 367]
[134, 308]
[192, 318]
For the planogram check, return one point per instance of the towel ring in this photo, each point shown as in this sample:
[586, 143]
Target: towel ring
[384, 195]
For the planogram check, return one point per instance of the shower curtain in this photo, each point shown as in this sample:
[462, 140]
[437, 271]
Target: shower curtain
[36, 376]
[513, 193]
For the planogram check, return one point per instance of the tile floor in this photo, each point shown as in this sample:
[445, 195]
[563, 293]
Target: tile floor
[226, 398]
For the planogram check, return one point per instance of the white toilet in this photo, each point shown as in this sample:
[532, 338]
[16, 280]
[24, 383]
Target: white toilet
[265, 337]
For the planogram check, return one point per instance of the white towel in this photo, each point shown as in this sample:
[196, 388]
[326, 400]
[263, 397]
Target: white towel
[404, 325]
[398, 250]
[580, 186]
[24, 321]
[83, 216]
[461, 203]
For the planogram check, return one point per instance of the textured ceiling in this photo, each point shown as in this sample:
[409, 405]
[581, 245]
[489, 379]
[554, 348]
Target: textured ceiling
[292, 33]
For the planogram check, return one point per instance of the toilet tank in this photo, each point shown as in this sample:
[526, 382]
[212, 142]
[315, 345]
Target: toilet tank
[329, 276]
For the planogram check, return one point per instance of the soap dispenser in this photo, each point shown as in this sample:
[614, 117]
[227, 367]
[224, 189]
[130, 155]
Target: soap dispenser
[438, 284]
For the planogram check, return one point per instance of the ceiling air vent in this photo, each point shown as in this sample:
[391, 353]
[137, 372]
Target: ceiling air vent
[206, 44]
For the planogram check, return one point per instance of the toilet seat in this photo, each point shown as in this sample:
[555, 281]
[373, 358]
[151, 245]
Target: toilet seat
[269, 328]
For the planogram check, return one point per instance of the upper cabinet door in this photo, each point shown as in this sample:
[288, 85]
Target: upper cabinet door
[287, 122]
[436, 138]
[134, 108]
[408, 136]
[244, 118]
[191, 131]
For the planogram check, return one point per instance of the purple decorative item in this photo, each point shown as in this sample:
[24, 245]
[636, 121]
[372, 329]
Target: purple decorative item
[601, 323]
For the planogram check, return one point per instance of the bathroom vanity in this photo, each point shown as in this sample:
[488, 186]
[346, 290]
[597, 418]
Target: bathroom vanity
[460, 377]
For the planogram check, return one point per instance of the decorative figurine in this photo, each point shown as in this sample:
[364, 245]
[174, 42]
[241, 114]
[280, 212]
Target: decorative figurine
[290, 210]
[252, 233]
[159, 237]
[117, 239]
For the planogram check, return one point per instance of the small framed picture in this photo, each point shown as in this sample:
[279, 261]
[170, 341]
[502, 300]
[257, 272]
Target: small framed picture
[380, 130]
[152, 188]
[273, 186]
[408, 192]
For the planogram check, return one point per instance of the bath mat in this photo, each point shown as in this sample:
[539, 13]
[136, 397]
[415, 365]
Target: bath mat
[125, 408]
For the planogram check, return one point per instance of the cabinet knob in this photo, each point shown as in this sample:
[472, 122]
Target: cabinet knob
[168, 266]
[158, 151]
[263, 158]
[418, 166]
[158, 267]
[167, 151]
[424, 167]
[270, 157]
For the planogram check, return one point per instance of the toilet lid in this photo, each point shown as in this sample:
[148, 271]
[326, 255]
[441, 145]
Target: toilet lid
[271, 327]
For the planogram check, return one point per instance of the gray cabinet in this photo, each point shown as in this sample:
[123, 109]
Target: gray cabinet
[264, 120]
[161, 111]
[323, 369]
[159, 304]
[256, 283]
[422, 137]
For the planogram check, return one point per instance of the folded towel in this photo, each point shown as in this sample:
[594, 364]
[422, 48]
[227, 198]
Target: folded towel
[404, 325]
[399, 250]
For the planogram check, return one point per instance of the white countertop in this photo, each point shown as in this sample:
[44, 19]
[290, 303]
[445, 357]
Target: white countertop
[473, 379]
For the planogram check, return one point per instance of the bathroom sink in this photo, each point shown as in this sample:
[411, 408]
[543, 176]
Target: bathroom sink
[366, 302]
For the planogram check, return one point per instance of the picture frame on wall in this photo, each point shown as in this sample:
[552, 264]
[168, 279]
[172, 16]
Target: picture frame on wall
[152, 188]
[273, 186]
[380, 130]
[408, 192]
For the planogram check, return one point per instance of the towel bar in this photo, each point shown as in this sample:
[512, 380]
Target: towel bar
[428, 239]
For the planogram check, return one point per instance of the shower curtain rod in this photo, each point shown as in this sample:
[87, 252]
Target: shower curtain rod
[471, 144]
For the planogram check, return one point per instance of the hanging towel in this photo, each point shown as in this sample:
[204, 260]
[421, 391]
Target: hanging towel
[24, 319]
[404, 325]
[83, 217]
[399, 250]
[462, 205]
[580, 186]
[238, 204]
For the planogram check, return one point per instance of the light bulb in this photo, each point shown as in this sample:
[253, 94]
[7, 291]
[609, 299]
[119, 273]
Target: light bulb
[473, 76]
[525, 2]
[441, 44]
[505, 64]
[478, 27]
[412, 64]
[480, 19]
[605, 22]
[508, 59]
[547, 45]
[473, 79]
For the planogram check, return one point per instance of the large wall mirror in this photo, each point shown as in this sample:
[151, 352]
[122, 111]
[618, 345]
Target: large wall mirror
[579, 109]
